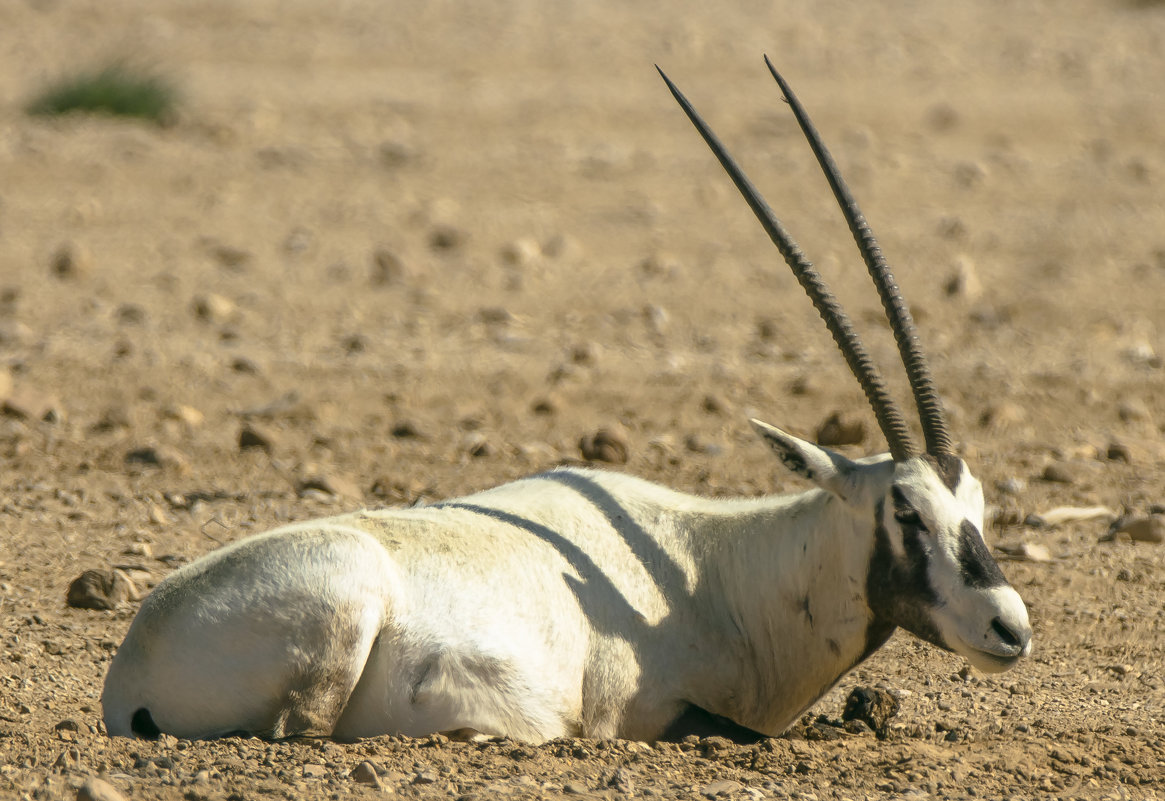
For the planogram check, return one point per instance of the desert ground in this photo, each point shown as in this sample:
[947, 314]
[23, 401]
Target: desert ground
[416, 250]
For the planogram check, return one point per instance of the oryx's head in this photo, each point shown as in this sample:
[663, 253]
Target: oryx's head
[930, 571]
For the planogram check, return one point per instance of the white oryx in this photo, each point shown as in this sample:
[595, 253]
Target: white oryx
[587, 603]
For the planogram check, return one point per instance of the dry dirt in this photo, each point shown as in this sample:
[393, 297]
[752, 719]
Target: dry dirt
[425, 247]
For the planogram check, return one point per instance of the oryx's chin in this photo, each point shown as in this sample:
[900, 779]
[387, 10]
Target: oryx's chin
[588, 603]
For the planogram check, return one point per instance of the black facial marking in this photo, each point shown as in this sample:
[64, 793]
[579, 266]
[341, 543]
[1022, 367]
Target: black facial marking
[948, 467]
[142, 724]
[899, 591]
[976, 565]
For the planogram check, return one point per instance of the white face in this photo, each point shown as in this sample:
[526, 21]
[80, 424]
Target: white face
[931, 572]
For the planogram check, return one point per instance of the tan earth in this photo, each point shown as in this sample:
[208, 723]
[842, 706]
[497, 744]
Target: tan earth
[422, 248]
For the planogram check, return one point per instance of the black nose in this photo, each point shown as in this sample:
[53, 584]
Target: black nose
[1008, 636]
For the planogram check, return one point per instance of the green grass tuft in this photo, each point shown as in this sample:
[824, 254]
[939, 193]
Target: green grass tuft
[116, 89]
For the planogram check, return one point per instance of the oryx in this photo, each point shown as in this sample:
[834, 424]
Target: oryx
[589, 603]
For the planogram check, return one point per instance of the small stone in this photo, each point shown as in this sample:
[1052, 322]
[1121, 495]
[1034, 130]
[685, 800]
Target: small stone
[1118, 452]
[446, 237]
[721, 788]
[871, 705]
[71, 262]
[151, 456]
[241, 364]
[95, 789]
[604, 445]
[544, 406]
[130, 314]
[100, 589]
[964, 281]
[331, 484]
[230, 257]
[1002, 416]
[714, 404]
[1058, 473]
[365, 773]
[621, 781]
[425, 777]
[187, 415]
[1141, 529]
[1133, 410]
[141, 549]
[407, 429]
[522, 252]
[1011, 486]
[387, 268]
[314, 771]
[660, 265]
[477, 445]
[212, 308]
[576, 788]
[252, 437]
[495, 315]
[841, 430]
[24, 403]
[1033, 552]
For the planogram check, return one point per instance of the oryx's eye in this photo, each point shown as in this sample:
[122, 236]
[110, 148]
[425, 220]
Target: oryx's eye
[909, 517]
[904, 513]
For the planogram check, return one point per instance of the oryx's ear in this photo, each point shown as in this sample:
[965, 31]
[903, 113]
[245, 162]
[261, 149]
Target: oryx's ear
[828, 470]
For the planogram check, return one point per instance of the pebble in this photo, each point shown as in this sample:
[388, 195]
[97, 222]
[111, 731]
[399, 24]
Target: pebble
[365, 773]
[1002, 416]
[622, 781]
[544, 406]
[252, 437]
[387, 268]
[964, 280]
[1138, 529]
[213, 308]
[231, 257]
[1118, 452]
[1058, 473]
[330, 484]
[871, 705]
[71, 262]
[1063, 515]
[95, 789]
[314, 771]
[723, 787]
[522, 252]
[446, 237]
[187, 415]
[156, 457]
[1011, 486]
[25, 403]
[1028, 552]
[100, 589]
[604, 445]
[839, 429]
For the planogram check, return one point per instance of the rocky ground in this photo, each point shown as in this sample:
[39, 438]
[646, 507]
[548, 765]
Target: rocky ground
[388, 253]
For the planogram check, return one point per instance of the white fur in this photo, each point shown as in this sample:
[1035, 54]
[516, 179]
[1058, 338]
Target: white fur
[577, 602]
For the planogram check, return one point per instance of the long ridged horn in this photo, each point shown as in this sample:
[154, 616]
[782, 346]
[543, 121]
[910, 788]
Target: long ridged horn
[893, 426]
[930, 408]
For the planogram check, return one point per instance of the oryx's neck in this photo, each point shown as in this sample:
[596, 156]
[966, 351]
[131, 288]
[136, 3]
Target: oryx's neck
[790, 573]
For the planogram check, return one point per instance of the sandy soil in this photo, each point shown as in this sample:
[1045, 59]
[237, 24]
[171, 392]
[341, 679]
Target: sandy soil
[490, 225]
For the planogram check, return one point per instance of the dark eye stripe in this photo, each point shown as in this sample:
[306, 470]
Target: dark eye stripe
[976, 565]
